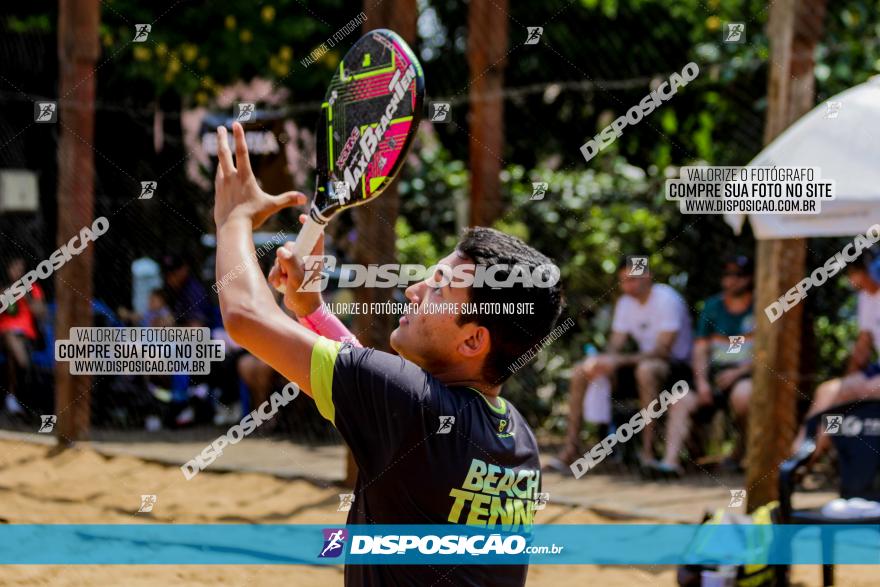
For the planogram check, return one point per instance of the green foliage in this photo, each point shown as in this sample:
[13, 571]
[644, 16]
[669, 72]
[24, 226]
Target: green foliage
[835, 336]
[34, 23]
[415, 247]
[587, 221]
[434, 186]
[210, 44]
[596, 60]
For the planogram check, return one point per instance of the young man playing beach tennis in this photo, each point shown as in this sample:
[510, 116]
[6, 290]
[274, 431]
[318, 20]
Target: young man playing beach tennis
[433, 440]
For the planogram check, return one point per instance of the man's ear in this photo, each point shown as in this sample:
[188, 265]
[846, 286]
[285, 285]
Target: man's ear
[477, 343]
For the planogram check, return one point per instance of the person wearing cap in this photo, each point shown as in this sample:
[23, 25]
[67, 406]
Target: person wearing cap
[190, 306]
[722, 358]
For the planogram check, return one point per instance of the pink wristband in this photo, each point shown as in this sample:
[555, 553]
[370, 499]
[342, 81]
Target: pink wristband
[322, 322]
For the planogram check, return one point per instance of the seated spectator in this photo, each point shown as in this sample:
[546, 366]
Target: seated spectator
[185, 295]
[657, 318]
[190, 306]
[722, 358]
[862, 379]
[19, 331]
[157, 315]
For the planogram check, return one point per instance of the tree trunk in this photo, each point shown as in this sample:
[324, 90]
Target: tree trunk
[487, 47]
[794, 29]
[78, 51]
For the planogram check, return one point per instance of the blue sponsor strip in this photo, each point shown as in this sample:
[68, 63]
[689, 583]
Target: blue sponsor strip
[608, 544]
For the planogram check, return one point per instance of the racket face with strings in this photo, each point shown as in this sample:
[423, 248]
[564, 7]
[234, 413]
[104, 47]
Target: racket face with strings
[368, 120]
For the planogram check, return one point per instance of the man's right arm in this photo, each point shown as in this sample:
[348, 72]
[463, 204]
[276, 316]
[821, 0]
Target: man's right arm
[250, 314]
[307, 303]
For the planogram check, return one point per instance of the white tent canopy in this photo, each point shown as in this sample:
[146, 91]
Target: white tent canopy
[847, 149]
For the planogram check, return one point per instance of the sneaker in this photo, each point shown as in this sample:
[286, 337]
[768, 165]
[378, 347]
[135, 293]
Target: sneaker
[200, 391]
[226, 416]
[160, 393]
[12, 405]
[186, 417]
[153, 424]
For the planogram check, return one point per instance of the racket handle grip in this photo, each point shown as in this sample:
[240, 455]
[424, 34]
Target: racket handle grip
[305, 241]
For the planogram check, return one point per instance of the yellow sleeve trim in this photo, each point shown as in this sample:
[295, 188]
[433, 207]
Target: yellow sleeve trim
[323, 358]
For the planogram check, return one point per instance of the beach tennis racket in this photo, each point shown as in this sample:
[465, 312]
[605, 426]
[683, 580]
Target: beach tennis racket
[369, 116]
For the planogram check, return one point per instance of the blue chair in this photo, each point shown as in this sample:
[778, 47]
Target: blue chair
[858, 451]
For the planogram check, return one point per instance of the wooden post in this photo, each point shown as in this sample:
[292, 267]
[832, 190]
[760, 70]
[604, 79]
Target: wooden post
[487, 47]
[794, 29]
[376, 240]
[78, 51]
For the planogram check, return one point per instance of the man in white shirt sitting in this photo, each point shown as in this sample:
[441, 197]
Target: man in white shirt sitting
[657, 318]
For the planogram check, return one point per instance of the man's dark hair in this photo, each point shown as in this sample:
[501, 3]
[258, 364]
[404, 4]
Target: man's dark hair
[511, 335]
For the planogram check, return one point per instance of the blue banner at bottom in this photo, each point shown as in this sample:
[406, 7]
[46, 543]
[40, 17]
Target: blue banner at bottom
[563, 544]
